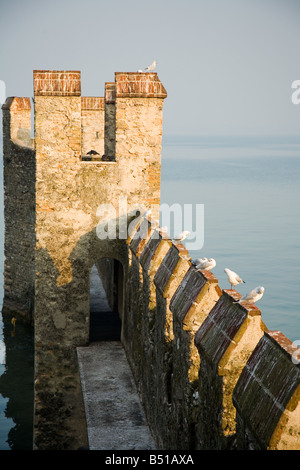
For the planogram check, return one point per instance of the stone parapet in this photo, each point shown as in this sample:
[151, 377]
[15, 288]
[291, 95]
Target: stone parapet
[267, 396]
[207, 368]
[225, 341]
[168, 270]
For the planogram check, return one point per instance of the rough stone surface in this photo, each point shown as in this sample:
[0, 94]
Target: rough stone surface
[19, 207]
[267, 396]
[115, 418]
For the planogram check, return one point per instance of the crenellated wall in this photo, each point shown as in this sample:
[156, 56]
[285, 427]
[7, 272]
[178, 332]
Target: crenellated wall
[210, 374]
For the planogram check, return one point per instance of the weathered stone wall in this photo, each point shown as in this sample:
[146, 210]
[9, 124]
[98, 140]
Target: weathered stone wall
[110, 121]
[210, 374]
[267, 396]
[19, 207]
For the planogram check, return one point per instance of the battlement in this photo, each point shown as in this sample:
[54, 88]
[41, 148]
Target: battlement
[223, 380]
[94, 133]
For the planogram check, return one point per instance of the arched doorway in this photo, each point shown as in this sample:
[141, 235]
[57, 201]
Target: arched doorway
[106, 300]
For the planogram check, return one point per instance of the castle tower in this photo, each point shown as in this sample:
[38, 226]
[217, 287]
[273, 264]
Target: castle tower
[72, 200]
[139, 107]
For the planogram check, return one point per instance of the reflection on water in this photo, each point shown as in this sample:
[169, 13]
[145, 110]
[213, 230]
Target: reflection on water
[16, 385]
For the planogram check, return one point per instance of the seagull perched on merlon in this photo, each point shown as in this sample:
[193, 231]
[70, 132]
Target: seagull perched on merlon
[233, 278]
[147, 213]
[206, 265]
[253, 296]
[198, 261]
[152, 66]
[182, 236]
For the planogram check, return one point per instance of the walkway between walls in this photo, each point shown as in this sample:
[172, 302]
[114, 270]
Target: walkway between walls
[115, 418]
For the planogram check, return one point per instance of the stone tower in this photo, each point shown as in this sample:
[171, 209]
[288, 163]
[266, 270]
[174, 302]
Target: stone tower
[60, 200]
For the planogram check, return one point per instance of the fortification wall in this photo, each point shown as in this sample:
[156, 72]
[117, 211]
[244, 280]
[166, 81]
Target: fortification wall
[209, 372]
[59, 210]
[19, 207]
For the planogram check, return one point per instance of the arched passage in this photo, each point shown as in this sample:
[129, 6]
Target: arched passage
[106, 300]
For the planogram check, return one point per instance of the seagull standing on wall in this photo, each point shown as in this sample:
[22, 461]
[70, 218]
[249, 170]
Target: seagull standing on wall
[253, 296]
[233, 278]
[207, 265]
[151, 67]
[198, 261]
[182, 236]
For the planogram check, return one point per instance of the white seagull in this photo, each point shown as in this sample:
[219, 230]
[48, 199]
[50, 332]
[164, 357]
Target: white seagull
[196, 262]
[151, 67]
[233, 278]
[253, 296]
[181, 236]
[207, 265]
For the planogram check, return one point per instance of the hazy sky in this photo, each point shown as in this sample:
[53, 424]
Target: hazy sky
[227, 65]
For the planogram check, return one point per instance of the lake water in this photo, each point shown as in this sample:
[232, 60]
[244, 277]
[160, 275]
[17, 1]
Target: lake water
[249, 188]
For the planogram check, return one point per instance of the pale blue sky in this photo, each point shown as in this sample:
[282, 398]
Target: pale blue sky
[227, 65]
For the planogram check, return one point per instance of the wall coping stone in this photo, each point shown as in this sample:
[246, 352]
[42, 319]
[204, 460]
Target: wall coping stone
[139, 85]
[188, 291]
[218, 330]
[266, 385]
[16, 103]
[57, 82]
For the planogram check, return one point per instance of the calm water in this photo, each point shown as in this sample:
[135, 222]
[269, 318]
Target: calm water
[251, 195]
[250, 188]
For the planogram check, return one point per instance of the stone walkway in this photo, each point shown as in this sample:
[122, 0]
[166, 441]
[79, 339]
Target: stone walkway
[115, 418]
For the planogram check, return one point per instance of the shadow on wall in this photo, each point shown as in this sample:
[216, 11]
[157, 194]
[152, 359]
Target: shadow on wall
[62, 322]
